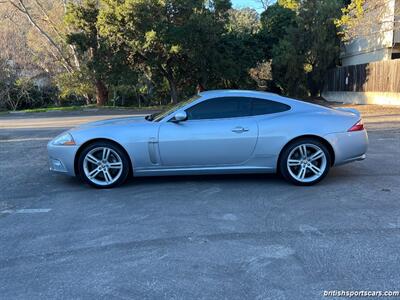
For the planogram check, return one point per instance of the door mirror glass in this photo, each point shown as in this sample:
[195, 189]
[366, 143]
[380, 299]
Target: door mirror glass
[179, 116]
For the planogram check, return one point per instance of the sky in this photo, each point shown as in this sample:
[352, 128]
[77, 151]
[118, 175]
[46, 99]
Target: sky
[247, 3]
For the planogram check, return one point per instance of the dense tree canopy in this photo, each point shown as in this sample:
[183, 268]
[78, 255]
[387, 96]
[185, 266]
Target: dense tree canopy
[148, 52]
[185, 42]
[302, 42]
[103, 63]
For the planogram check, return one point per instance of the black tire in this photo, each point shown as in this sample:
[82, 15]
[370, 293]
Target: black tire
[118, 155]
[288, 174]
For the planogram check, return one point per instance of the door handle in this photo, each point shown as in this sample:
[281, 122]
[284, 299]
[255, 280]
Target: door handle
[240, 129]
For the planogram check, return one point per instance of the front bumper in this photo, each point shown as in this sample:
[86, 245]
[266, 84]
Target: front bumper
[62, 158]
[348, 146]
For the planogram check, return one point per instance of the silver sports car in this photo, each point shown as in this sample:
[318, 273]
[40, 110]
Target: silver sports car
[214, 132]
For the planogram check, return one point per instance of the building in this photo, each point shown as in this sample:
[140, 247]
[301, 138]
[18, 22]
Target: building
[370, 71]
[376, 44]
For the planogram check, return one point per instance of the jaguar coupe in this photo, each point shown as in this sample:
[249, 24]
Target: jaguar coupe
[214, 132]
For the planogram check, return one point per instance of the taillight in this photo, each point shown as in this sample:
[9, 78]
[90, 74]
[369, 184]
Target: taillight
[357, 127]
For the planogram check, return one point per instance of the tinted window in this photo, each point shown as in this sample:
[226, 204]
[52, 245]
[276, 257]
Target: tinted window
[218, 108]
[265, 107]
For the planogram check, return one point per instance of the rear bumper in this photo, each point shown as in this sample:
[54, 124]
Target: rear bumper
[348, 146]
[62, 158]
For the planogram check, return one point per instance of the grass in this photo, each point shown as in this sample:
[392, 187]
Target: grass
[85, 107]
[46, 109]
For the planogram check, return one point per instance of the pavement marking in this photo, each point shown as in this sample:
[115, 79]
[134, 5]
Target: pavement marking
[25, 140]
[26, 211]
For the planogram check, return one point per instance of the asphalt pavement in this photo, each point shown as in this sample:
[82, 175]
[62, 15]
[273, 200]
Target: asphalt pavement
[197, 237]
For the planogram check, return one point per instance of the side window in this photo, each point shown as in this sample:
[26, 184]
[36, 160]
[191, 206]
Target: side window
[265, 107]
[219, 108]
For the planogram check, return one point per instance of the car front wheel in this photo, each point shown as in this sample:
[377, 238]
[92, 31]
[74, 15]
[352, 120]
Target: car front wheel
[103, 165]
[305, 162]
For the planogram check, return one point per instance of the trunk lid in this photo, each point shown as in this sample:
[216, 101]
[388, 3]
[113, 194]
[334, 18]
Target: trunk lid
[349, 110]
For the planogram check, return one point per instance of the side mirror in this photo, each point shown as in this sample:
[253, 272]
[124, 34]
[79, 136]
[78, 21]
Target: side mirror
[179, 116]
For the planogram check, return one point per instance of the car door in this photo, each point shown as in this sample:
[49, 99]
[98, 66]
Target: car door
[217, 132]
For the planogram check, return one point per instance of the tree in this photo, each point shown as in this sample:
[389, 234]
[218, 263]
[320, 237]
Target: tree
[317, 23]
[103, 63]
[304, 49]
[18, 64]
[266, 3]
[45, 17]
[235, 57]
[220, 52]
[63, 41]
[14, 91]
[276, 21]
[78, 83]
[278, 33]
[366, 18]
[82, 19]
[262, 75]
[245, 21]
[290, 4]
[288, 61]
[39, 24]
[7, 80]
[157, 34]
[16, 51]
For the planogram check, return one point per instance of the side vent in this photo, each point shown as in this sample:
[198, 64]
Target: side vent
[153, 154]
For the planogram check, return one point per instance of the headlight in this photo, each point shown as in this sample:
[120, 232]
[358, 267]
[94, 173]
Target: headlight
[64, 139]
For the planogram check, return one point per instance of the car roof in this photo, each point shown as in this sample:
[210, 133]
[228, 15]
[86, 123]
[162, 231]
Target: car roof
[299, 104]
[247, 93]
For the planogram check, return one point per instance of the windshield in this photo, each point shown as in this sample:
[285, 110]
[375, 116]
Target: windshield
[156, 117]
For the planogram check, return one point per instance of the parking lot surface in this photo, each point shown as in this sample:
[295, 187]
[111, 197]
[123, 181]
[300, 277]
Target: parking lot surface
[198, 237]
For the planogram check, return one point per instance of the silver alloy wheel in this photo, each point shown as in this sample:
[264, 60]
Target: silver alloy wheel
[102, 166]
[306, 162]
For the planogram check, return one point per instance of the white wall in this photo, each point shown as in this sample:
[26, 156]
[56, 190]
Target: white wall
[366, 57]
[363, 97]
[374, 47]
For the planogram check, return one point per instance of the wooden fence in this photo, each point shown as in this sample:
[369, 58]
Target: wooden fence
[382, 76]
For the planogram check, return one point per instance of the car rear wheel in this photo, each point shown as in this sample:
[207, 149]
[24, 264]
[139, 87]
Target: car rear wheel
[103, 165]
[305, 162]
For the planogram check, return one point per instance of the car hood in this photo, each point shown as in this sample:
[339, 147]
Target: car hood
[115, 121]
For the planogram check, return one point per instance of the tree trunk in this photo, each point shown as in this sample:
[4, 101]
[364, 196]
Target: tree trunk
[88, 99]
[168, 74]
[172, 90]
[101, 93]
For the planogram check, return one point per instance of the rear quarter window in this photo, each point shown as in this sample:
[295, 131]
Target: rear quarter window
[266, 107]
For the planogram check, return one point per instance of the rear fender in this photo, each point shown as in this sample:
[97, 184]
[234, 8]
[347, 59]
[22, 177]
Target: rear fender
[351, 110]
